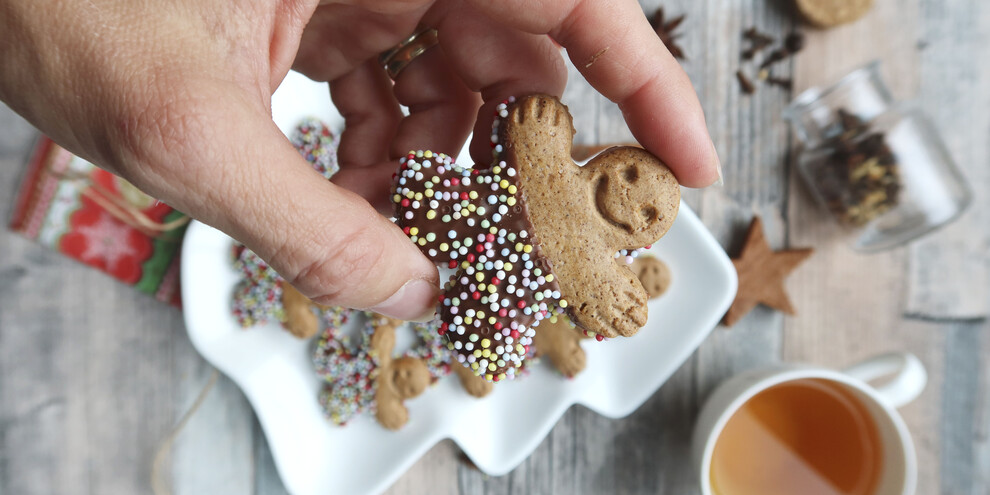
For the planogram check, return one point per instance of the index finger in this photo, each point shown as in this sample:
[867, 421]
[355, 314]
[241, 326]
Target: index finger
[615, 48]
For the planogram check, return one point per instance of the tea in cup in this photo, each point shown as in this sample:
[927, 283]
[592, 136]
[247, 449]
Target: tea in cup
[810, 431]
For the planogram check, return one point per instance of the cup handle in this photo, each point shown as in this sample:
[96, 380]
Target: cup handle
[907, 384]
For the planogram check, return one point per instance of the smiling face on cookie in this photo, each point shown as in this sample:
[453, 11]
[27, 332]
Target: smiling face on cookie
[410, 377]
[628, 198]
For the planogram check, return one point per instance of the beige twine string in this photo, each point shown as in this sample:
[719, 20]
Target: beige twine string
[158, 484]
[118, 207]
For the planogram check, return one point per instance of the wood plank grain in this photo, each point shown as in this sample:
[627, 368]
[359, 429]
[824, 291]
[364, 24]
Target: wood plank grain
[949, 272]
[850, 304]
[216, 451]
[961, 413]
[436, 472]
[83, 393]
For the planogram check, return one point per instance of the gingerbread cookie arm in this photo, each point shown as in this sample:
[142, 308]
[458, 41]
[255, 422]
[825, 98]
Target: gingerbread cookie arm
[475, 385]
[437, 204]
[389, 410]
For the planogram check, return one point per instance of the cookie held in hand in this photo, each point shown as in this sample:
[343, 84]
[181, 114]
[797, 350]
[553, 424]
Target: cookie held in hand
[534, 234]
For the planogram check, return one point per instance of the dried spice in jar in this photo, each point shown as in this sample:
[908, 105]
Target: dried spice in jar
[857, 176]
[877, 164]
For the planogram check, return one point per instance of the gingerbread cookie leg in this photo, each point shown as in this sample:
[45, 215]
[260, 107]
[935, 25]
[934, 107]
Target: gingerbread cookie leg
[559, 341]
[475, 385]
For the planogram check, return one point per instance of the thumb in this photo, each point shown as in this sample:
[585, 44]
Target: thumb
[241, 175]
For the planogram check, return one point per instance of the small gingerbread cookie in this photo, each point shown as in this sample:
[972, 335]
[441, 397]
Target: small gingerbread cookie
[369, 378]
[263, 296]
[397, 379]
[830, 13]
[509, 229]
[653, 273]
[442, 361]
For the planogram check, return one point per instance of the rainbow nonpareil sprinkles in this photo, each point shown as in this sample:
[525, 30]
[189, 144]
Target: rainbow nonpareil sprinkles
[474, 221]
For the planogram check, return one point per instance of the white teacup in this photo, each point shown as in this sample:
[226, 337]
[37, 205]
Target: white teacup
[899, 469]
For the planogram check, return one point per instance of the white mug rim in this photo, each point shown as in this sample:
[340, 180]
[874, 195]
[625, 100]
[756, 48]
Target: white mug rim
[799, 373]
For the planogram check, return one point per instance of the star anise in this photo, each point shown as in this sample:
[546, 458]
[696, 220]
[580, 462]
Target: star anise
[665, 30]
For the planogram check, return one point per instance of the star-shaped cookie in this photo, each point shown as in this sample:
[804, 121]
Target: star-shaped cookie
[761, 274]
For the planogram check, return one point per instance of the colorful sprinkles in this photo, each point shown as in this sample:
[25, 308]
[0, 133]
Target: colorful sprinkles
[258, 296]
[350, 370]
[474, 221]
[318, 145]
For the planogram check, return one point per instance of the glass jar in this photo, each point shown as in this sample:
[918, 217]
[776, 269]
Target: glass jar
[877, 164]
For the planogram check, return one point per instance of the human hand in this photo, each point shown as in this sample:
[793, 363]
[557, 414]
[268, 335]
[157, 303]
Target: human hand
[175, 97]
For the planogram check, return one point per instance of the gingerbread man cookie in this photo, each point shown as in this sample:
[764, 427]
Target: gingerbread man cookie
[534, 234]
[262, 295]
[368, 377]
[397, 379]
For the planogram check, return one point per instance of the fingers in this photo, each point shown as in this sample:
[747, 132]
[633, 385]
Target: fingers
[241, 175]
[442, 108]
[441, 113]
[499, 62]
[371, 116]
[614, 47]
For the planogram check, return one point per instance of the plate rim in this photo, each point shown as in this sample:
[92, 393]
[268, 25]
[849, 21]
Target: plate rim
[389, 476]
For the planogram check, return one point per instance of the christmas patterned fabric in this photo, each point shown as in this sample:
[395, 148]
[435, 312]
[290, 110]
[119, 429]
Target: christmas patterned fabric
[93, 216]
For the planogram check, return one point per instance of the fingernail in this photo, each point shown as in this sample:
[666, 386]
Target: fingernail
[718, 168]
[414, 301]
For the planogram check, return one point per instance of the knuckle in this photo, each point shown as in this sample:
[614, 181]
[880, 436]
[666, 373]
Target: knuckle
[343, 275]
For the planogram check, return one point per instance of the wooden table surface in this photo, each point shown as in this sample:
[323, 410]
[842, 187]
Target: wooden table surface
[93, 376]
